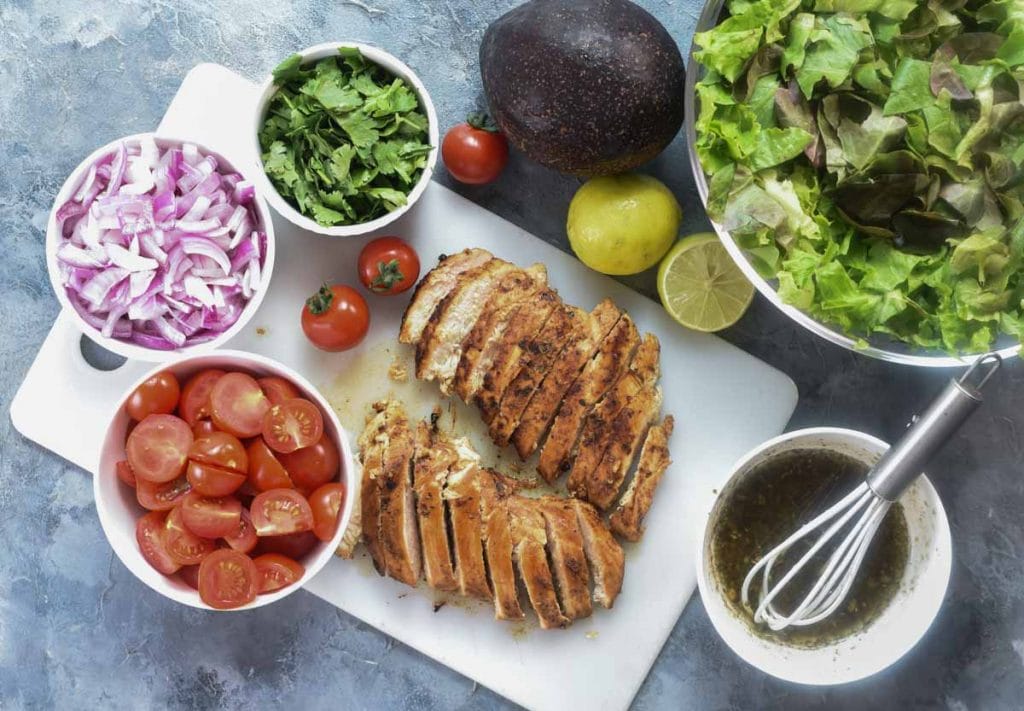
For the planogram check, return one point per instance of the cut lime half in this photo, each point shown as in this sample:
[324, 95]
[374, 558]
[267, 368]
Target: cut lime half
[700, 285]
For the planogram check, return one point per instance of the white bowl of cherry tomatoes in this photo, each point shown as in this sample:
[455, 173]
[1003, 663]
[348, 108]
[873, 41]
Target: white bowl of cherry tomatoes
[224, 481]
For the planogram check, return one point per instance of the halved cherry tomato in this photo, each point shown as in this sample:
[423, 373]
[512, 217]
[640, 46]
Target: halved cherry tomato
[292, 425]
[125, 473]
[157, 395]
[265, 471]
[149, 533]
[238, 405]
[211, 516]
[211, 480]
[221, 449]
[277, 571]
[195, 396]
[184, 546]
[189, 575]
[158, 447]
[313, 466]
[293, 545]
[161, 497]
[204, 427]
[280, 511]
[278, 389]
[243, 539]
[326, 504]
[228, 579]
[335, 318]
[388, 265]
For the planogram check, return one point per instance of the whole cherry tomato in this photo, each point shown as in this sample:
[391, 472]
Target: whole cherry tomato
[335, 318]
[388, 265]
[475, 152]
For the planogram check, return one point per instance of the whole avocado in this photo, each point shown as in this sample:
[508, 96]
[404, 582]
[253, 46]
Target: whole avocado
[590, 87]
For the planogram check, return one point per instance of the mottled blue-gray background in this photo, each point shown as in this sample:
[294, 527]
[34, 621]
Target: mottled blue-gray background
[78, 631]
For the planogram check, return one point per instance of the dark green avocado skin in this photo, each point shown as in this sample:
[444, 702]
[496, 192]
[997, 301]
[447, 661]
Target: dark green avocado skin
[591, 87]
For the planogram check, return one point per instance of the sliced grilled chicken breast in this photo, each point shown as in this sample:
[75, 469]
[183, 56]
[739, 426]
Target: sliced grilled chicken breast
[628, 517]
[371, 443]
[529, 538]
[544, 404]
[510, 291]
[435, 286]
[568, 561]
[462, 496]
[440, 346]
[604, 554]
[498, 547]
[399, 529]
[598, 427]
[433, 461]
[613, 357]
[626, 434]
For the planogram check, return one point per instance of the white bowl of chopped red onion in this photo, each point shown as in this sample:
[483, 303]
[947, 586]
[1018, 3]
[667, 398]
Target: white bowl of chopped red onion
[159, 247]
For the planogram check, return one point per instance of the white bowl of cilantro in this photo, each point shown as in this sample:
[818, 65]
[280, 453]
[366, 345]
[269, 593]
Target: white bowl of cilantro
[862, 162]
[346, 138]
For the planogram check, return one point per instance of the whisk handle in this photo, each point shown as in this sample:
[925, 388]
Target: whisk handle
[906, 459]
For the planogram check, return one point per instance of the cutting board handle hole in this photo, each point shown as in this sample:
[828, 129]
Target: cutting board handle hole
[98, 357]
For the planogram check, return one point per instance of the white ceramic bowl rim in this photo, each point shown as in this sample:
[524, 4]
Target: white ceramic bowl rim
[899, 627]
[128, 349]
[118, 518]
[396, 67]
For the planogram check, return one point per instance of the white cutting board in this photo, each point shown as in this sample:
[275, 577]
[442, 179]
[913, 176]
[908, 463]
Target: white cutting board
[724, 401]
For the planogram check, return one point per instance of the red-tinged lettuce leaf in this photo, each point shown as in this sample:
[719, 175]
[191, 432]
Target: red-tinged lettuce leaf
[792, 110]
[924, 230]
[974, 47]
[944, 78]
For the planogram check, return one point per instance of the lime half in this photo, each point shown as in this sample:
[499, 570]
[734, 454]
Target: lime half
[701, 286]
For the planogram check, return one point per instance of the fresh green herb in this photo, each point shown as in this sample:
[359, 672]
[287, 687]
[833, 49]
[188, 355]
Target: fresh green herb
[344, 141]
[869, 155]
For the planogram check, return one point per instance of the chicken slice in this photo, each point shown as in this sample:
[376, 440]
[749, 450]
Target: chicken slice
[434, 287]
[598, 430]
[399, 532]
[529, 538]
[604, 554]
[600, 373]
[434, 459]
[582, 346]
[569, 562]
[440, 347]
[627, 519]
[551, 341]
[462, 496]
[371, 449]
[498, 547]
[626, 433]
[519, 339]
[511, 290]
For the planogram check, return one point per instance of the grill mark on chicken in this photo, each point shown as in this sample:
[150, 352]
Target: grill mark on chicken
[567, 559]
[435, 286]
[462, 496]
[529, 538]
[627, 519]
[434, 458]
[604, 554]
[625, 434]
[399, 531]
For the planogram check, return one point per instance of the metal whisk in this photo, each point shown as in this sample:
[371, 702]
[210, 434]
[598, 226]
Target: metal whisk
[870, 501]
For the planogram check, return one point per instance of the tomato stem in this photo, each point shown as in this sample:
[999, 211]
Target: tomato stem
[388, 274]
[319, 302]
[482, 121]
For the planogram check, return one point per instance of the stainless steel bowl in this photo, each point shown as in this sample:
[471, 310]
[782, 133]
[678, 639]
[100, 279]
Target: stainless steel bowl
[879, 346]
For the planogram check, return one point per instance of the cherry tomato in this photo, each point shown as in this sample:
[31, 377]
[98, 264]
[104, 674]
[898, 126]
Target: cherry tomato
[203, 427]
[221, 449]
[293, 545]
[243, 538]
[313, 466]
[149, 532]
[211, 480]
[280, 511]
[125, 473]
[228, 579]
[326, 504]
[195, 396]
[211, 516]
[156, 396]
[189, 575]
[161, 497]
[278, 389]
[292, 425]
[388, 265]
[237, 405]
[335, 318]
[475, 152]
[277, 571]
[158, 447]
[184, 546]
[265, 470]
